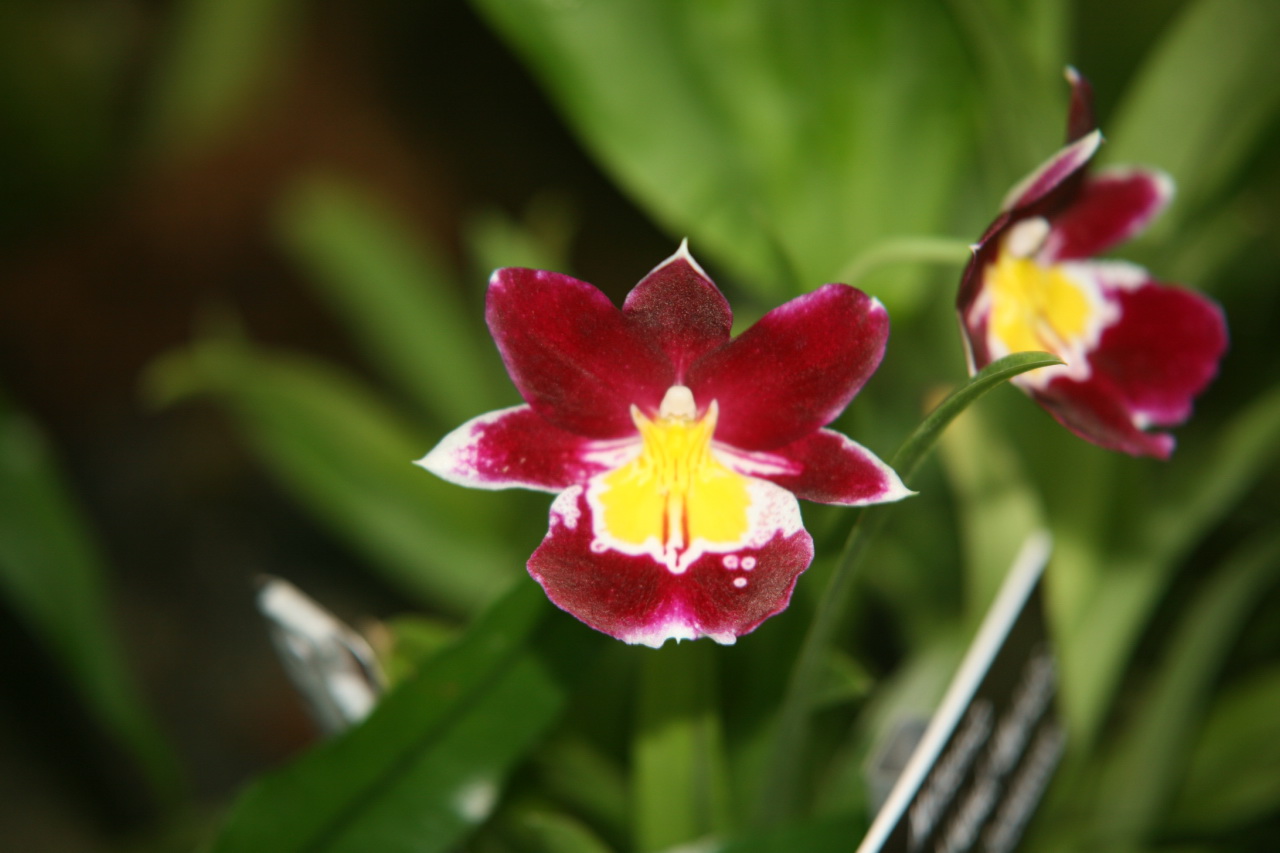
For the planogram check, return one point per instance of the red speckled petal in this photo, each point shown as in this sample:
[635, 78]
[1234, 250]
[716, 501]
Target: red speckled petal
[794, 371]
[572, 354]
[639, 600]
[1147, 369]
[518, 448]
[825, 467]
[1112, 206]
[677, 307]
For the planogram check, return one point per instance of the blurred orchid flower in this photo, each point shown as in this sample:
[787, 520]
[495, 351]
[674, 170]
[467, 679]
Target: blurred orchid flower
[1136, 352]
[677, 452]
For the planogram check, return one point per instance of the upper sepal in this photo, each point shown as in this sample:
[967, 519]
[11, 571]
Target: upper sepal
[679, 308]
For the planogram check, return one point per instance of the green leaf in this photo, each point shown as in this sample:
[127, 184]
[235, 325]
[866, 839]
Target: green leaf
[1231, 778]
[1020, 49]
[1143, 767]
[782, 138]
[428, 765]
[402, 306]
[1197, 108]
[578, 774]
[350, 461]
[411, 641]
[220, 56]
[544, 831]
[540, 240]
[996, 506]
[679, 779]
[917, 446]
[1098, 634]
[53, 578]
[820, 835]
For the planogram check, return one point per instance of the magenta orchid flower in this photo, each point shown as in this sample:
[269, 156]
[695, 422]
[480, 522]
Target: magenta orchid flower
[1136, 352]
[677, 452]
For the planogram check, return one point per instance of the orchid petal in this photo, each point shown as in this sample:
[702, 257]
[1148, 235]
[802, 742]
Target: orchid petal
[1080, 119]
[679, 308]
[1095, 411]
[636, 599]
[572, 354]
[518, 448]
[1148, 367]
[1163, 351]
[795, 370]
[825, 467]
[1112, 206]
[1052, 174]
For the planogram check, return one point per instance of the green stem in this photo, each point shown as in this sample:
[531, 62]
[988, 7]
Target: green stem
[782, 791]
[924, 250]
[679, 778]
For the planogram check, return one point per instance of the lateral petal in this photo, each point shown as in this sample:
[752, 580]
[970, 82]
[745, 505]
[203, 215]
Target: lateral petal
[825, 467]
[518, 448]
[795, 370]
[638, 599]
[679, 308]
[1162, 351]
[572, 354]
[1147, 368]
[1111, 207]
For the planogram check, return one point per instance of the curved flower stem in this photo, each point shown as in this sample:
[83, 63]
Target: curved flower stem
[780, 795]
[929, 250]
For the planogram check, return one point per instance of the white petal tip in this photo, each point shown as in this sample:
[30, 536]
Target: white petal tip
[683, 254]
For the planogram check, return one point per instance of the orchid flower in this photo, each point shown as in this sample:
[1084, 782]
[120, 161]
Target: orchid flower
[1136, 352]
[676, 451]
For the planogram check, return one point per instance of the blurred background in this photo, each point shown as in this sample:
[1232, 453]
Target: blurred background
[179, 172]
[142, 187]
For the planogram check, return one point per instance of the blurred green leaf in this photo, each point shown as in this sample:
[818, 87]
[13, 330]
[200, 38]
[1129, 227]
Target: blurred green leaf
[1231, 778]
[544, 831]
[52, 575]
[679, 784]
[220, 55]
[405, 310]
[586, 780]
[783, 139]
[539, 241]
[996, 505]
[411, 642]
[1021, 52]
[821, 835]
[1098, 635]
[1202, 101]
[1143, 767]
[350, 460]
[845, 681]
[428, 765]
